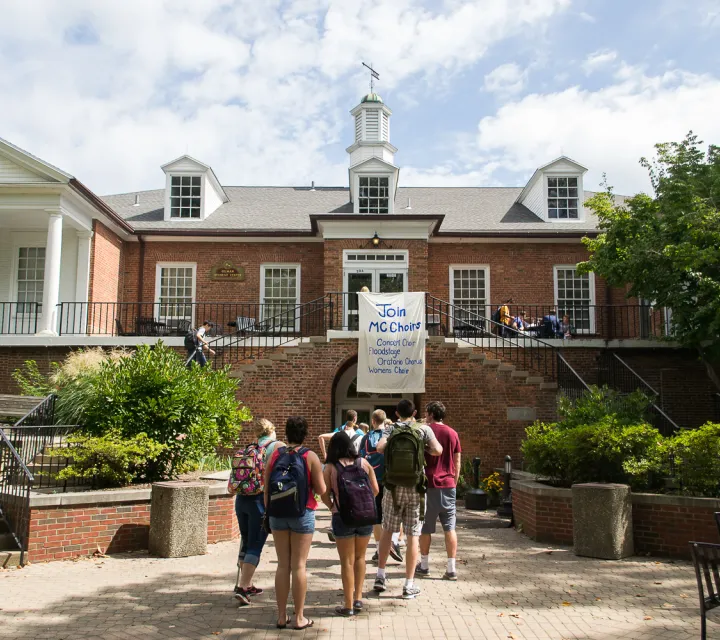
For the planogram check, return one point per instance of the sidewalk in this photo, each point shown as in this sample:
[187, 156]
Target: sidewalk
[509, 588]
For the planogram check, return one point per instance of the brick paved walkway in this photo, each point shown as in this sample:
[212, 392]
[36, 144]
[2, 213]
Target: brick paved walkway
[510, 587]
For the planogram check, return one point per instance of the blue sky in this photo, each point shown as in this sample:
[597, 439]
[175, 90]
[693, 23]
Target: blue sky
[482, 91]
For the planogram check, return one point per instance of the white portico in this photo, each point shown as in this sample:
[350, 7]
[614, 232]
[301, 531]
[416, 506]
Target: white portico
[46, 218]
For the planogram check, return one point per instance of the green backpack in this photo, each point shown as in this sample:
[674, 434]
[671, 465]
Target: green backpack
[405, 459]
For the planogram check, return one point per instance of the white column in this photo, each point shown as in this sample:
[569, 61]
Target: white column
[82, 281]
[51, 291]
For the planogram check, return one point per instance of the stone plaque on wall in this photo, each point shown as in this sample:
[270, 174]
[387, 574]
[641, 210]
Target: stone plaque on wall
[521, 413]
[227, 271]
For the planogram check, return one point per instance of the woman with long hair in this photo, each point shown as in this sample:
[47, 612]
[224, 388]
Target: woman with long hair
[351, 541]
[293, 536]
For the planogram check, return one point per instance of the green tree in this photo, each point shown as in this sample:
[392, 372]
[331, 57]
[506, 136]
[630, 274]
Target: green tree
[667, 247]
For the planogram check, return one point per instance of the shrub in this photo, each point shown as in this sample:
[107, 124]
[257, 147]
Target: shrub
[696, 460]
[189, 411]
[31, 382]
[599, 402]
[109, 460]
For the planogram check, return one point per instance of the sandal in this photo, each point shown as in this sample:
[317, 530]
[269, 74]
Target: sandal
[283, 626]
[345, 613]
[307, 625]
[358, 606]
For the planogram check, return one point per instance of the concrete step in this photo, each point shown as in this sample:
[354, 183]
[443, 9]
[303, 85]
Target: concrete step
[478, 356]
[504, 366]
[291, 350]
[318, 339]
[436, 339]
[306, 345]
[549, 385]
[465, 351]
[264, 362]
[9, 559]
[491, 362]
[520, 374]
[246, 367]
[278, 356]
[534, 380]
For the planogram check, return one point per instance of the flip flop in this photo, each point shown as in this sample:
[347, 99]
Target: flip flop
[283, 626]
[309, 624]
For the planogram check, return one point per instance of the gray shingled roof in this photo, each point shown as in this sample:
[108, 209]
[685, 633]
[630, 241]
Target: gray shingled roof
[274, 209]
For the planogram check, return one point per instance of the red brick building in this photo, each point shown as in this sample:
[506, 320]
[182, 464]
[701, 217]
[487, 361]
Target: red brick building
[282, 263]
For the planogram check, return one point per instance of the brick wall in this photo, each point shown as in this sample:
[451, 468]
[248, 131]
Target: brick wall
[249, 255]
[66, 532]
[477, 397]
[106, 265]
[12, 358]
[663, 525]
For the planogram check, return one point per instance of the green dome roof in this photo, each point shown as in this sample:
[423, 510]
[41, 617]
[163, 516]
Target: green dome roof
[372, 97]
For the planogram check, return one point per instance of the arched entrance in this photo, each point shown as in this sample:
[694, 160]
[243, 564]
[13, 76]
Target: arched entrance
[346, 396]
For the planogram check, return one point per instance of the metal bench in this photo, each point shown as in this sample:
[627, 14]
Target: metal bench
[706, 558]
[17, 406]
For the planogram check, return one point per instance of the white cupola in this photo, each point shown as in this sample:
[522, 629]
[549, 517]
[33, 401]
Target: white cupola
[373, 176]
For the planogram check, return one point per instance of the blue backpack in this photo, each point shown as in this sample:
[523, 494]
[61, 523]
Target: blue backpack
[289, 484]
[368, 450]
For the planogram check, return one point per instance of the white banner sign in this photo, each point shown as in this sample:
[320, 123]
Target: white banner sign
[391, 352]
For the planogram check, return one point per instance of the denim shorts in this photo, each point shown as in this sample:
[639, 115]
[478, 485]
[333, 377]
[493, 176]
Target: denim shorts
[303, 524]
[341, 530]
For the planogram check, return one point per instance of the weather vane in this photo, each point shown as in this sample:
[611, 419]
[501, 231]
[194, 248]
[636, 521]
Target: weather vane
[374, 75]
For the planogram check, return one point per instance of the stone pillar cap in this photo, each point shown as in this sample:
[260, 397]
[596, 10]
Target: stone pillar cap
[179, 483]
[600, 485]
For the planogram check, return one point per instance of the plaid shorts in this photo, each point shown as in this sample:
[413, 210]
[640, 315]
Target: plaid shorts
[406, 513]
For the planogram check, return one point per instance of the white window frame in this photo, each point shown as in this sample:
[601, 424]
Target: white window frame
[298, 296]
[591, 301]
[391, 191]
[581, 197]
[14, 265]
[451, 284]
[159, 266]
[168, 190]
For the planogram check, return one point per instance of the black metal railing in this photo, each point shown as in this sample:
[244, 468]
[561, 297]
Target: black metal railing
[614, 372]
[19, 318]
[252, 339]
[41, 414]
[716, 406]
[514, 347]
[16, 482]
[610, 322]
[570, 384]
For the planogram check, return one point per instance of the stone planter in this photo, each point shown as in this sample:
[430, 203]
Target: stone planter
[602, 521]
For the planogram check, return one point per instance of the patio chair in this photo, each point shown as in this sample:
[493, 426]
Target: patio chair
[244, 324]
[119, 329]
[706, 557]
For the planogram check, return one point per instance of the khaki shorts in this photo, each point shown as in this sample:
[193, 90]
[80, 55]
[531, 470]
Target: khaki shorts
[407, 512]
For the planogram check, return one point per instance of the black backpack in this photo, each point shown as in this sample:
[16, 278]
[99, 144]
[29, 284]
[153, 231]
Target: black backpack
[495, 317]
[191, 339]
[356, 502]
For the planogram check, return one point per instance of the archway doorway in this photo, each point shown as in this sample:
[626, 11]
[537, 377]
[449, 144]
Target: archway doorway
[346, 396]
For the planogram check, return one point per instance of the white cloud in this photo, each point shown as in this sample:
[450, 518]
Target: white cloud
[260, 90]
[598, 60]
[607, 130]
[507, 79]
[586, 17]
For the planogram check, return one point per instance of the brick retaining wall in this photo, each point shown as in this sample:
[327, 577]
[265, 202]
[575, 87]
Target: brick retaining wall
[663, 525]
[78, 524]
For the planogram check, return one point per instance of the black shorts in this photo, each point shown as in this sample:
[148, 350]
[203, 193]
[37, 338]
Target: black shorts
[378, 504]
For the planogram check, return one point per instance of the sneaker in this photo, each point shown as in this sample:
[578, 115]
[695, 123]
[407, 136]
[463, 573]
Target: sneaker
[241, 595]
[375, 557]
[331, 537]
[419, 571]
[253, 591]
[449, 576]
[395, 552]
[380, 584]
[410, 592]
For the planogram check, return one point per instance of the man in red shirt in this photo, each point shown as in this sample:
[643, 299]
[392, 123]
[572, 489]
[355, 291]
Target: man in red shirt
[443, 473]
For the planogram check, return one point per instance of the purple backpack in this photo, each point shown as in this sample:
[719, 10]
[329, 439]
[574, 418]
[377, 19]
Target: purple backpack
[356, 502]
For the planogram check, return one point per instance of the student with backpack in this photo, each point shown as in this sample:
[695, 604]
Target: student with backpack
[443, 473]
[247, 484]
[404, 445]
[351, 487]
[350, 427]
[292, 478]
[195, 343]
[368, 451]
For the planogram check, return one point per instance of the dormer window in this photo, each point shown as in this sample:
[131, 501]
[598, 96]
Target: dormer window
[562, 194]
[185, 196]
[374, 195]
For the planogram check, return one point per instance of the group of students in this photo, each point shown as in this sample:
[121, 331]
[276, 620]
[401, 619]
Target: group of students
[401, 474]
[550, 326]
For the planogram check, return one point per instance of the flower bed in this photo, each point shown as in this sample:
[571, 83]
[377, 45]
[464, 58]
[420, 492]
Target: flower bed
[68, 525]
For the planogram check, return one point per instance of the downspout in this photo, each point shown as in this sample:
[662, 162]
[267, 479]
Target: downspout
[141, 276]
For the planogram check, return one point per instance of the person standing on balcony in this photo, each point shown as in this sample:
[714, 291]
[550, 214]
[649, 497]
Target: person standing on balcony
[195, 343]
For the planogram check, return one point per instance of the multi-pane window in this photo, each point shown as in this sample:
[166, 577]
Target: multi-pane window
[280, 296]
[469, 293]
[176, 292]
[574, 298]
[563, 198]
[374, 195]
[185, 198]
[30, 278]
